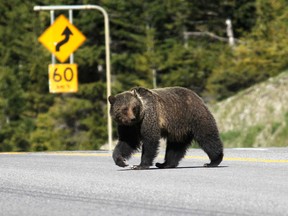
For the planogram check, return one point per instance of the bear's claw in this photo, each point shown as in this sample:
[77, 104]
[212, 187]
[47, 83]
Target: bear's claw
[139, 167]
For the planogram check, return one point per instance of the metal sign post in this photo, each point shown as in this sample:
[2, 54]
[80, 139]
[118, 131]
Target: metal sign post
[107, 48]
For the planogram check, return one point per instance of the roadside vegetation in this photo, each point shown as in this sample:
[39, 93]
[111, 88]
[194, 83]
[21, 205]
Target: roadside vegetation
[257, 116]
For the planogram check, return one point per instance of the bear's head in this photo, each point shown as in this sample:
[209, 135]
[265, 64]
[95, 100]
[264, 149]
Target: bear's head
[127, 107]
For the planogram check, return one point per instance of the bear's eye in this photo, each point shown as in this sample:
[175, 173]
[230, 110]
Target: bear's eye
[135, 109]
[124, 110]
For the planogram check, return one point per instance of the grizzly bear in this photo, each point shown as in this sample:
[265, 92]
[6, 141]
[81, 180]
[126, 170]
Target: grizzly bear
[177, 114]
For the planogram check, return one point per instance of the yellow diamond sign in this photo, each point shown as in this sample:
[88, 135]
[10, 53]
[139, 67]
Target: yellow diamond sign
[62, 38]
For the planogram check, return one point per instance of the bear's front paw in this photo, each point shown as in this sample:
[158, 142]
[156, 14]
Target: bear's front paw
[120, 161]
[139, 167]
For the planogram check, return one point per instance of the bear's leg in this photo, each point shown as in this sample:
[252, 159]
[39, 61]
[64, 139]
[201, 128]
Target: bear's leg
[149, 152]
[213, 148]
[122, 152]
[128, 143]
[174, 153]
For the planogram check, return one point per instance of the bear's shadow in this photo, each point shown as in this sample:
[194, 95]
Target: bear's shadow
[176, 168]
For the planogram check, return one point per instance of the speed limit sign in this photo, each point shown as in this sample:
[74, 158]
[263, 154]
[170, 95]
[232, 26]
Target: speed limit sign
[63, 78]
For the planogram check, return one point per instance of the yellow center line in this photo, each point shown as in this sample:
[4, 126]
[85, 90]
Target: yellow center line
[259, 160]
[59, 153]
[262, 160]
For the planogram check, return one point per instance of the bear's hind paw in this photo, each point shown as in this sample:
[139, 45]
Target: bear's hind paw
[165, 165]
[210, 165]
[160, 165]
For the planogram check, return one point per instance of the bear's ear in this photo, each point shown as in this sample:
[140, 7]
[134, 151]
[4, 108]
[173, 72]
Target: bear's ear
[140, 91]
[112, 99]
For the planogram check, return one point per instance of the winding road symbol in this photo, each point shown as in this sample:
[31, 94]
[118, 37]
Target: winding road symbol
[67, 32]
[62, 38]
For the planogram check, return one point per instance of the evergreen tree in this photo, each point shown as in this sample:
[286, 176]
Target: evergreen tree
[261, 56]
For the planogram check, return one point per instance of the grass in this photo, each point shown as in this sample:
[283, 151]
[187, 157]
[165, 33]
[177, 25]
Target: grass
[245, 138]
[275, 126]
[282, 135]
[251, 135]
[230, 137]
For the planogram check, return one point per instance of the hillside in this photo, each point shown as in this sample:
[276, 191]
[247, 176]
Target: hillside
[257, 116]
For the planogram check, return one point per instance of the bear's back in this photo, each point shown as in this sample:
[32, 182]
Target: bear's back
[179, 110]
[178, 100]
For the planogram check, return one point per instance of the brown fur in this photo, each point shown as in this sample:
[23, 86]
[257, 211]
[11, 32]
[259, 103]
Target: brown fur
[174, 113]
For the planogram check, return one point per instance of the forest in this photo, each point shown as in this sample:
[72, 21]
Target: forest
[153, 44]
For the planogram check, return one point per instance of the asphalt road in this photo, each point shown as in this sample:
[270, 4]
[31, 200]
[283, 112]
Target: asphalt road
[248, 182]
